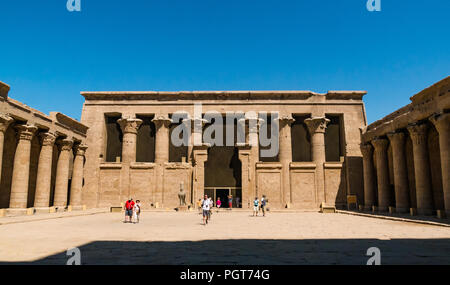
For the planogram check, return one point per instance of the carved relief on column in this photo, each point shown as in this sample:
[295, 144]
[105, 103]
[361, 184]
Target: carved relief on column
[5, 121]
[442, 124]
[384, 195]
[285, 156]
[21, 169]
[397, 140]
[44, 172]
[62, 173]
[77, 178]
[317, 127]
[419, 134]
[369, 179]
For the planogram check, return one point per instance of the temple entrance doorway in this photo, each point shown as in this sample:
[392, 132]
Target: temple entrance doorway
[223, 193]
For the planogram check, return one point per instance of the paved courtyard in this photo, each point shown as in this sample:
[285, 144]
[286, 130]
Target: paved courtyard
[230, 238]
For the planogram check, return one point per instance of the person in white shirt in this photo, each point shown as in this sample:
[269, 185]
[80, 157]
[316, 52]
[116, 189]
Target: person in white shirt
[206, 206]
[211, 205]
[137, 211]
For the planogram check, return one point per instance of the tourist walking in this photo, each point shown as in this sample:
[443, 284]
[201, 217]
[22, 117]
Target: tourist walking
[263, 205]
[255, 206]
[129, 205]
[205, 209]
[137, 211]
[211, 205]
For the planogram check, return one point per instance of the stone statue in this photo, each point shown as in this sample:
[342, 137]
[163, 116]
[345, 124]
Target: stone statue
[182, 195]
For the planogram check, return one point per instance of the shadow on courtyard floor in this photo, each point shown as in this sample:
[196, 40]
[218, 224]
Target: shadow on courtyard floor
[258, 252]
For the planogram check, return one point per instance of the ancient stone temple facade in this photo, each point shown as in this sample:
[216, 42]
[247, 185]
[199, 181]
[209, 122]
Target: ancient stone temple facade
[41, 159]
[407, 156]
[132, 154]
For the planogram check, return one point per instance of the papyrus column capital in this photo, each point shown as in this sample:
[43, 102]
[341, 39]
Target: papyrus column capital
[129, 125]
[418, 133]
[162, 120]
[396, 138]
[380, 144]
[81, 149]
[441, 122]
[366, 150]
[47, 139]
[26, 132]
[65, 144]
[317, 124]
[5, 121]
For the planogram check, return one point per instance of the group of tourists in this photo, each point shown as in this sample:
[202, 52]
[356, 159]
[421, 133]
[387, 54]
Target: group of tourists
[132, 211]
[259, 205]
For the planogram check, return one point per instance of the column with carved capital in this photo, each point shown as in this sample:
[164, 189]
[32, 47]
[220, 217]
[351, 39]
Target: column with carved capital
[424, 195]
[369, 179]
[129, 127]
[384, 195]
[285, 156]
[21, 170]
[316, 127]
[162, 123]
[442, 124]
[397, 140]
[5, 121]
[77, 178]
[62, 174]
[44, 172]
[200, 156]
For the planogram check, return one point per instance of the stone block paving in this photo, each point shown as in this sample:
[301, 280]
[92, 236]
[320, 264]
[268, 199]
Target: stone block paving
[230, 238]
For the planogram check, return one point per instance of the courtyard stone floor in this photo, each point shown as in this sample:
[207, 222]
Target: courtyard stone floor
[230, 238]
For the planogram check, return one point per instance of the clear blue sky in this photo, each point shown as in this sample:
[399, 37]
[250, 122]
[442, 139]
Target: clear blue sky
[49, 55]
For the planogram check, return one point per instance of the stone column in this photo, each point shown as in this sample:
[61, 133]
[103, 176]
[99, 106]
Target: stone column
[21, 170]
[129, 127]
[250, 153]
[246, 167]
[285, 156]
[44, 173]
[62, 174]
[162, 123]
[200, 157]
[316, 127]
[369, 179]
[442, 124]
[5, 121]
[397, 140]
[419, 134]
[384, 195]
[77, 178]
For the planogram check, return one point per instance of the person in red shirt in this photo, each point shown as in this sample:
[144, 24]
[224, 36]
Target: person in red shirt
[129, 205]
